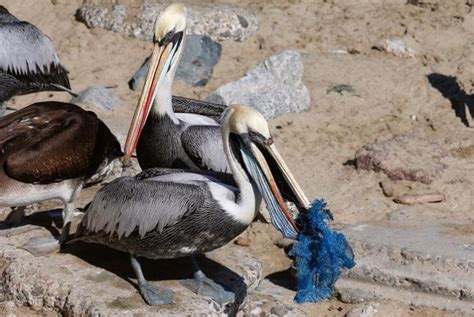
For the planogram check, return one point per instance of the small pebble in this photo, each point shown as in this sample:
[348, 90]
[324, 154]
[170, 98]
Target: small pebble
[279, 310]
[419, 199]
[242, 241]
[387, 188]
[365, 310]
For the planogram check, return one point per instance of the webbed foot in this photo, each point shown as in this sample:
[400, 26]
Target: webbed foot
[204, 286]
[154, 295]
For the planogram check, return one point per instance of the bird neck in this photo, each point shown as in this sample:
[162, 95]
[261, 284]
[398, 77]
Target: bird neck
[247, 194]
[162, 105]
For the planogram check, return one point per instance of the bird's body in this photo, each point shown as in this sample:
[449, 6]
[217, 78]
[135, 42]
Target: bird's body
[48, 150]
[189, 141]
[28, 60]
[169, 213]
[189, 138]
[166, 214]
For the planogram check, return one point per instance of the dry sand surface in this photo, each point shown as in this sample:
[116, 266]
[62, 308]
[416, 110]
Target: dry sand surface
[392, 96]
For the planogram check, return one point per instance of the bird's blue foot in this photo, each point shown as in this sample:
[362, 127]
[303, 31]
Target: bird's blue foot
[204, 286]
[154, 295]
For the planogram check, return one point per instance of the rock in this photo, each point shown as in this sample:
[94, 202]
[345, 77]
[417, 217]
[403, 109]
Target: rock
[136, 19]
[280, 310]
[199, 57]
[387, 188]
[98, 97]
[404, 158]
[88, 280]
[396, 47]
[242, 241]
[274, 87]
[420, 262]
[420, 199]
[365, 310]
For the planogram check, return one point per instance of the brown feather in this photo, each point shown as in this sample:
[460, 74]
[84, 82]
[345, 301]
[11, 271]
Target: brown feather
[53, 141]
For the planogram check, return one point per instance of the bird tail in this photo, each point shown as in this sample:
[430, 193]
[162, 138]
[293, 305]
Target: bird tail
[62, 88]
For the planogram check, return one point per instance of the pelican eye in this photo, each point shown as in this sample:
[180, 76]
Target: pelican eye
[252, 133]
[167, 38]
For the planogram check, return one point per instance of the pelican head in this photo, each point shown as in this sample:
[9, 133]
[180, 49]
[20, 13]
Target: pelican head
[248, 131]
[171, 21]
[168, 42]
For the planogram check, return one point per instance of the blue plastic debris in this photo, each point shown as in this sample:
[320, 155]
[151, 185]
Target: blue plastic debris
[321, 254]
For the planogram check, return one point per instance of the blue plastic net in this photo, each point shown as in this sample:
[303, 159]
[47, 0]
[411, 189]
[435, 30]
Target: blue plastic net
[321, 255]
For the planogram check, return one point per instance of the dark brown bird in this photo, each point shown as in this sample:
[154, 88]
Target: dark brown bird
[47, 151]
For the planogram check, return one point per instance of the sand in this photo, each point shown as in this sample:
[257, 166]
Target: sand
[392, 96]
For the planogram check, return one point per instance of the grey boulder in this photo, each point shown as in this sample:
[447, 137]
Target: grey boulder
[274, 87]
[136, 19]
[199, 57]
[98, 97]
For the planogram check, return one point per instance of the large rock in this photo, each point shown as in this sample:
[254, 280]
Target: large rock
[418, 262]
[98, 97]
[403, 158]
[199, 57]
[274, 87]
[137, 18]
[92, 280]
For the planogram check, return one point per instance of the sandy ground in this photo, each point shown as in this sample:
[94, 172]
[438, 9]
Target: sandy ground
[392, 96]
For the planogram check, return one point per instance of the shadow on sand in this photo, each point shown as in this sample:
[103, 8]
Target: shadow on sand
[462, 103]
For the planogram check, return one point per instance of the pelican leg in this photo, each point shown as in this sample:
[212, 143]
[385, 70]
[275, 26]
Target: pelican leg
[204, 286]
[41, 246]
[153, 295]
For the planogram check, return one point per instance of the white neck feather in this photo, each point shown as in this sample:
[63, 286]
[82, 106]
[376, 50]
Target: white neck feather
[247, 204]
[162, 104]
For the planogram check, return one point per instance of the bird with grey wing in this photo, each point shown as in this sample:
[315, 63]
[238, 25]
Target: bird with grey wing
[28, 61]
[188, 139]
[170, 213]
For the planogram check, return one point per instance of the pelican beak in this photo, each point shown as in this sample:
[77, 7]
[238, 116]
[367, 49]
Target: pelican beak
[270, 165]
[296, 189]
[160, 62]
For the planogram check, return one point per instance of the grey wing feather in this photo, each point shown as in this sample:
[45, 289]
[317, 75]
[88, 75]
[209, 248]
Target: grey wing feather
[127, 204]
[205, 108]
[26, 50]
[203, 144]
[225, 178]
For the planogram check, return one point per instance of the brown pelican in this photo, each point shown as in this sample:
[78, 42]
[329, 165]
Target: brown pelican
[47, 151]
[167, 213]
[162, 137]
[28, 61]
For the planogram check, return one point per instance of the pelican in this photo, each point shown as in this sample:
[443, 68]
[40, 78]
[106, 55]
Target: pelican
[161, 137]
[28, 60]
[170, 213]
[47, 151]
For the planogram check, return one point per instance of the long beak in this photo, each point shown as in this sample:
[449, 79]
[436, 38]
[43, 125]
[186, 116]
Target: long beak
[160, 60]
[264, 178]
[296, 188]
